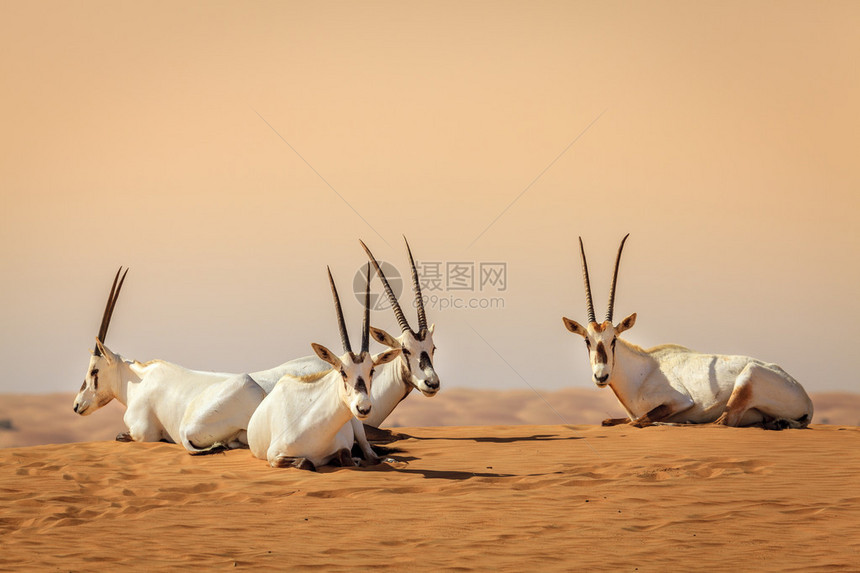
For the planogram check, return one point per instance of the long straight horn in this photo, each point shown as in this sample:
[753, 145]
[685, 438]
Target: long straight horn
[111, 303]
[416, 286]
[588, 300]
[365, 327]
[344, 337]
[398, 312]
[614, 280]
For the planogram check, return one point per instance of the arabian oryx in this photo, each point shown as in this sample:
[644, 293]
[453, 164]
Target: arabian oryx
[396, 380]
[164, 401]
[414, 369]
[307, 421]
[673, 384]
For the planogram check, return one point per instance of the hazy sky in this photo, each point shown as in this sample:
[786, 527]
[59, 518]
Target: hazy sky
[227, 152]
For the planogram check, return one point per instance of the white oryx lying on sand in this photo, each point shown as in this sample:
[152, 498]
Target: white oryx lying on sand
[164, 401]
[308, 421]
[393, 382]
[674, 384]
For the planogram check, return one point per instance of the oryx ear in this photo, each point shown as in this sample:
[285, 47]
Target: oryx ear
[384, 338]
[327, 355]
[574, 327]
[386, 356]
[432, 328]
[105, 351]
[626, 324]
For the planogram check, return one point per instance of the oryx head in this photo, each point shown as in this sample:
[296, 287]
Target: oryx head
[600, 338]
[98, 388]
[416, 345]
[356, 370]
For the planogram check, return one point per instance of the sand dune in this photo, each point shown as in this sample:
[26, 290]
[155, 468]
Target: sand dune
[49, 419]
[467, 498]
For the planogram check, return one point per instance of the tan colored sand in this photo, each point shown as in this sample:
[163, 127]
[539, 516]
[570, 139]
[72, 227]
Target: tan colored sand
[49, 419]
[509, 498]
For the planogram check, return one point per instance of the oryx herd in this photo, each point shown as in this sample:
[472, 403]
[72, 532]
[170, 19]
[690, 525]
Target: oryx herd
[310, 411]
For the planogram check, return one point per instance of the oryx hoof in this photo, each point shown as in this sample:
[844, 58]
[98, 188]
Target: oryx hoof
[343, 458]
[291, 462]
[304, 464]
[124, 437]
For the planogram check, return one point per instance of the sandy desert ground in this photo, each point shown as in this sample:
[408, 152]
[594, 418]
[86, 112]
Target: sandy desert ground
[49, 419]
[479, 498]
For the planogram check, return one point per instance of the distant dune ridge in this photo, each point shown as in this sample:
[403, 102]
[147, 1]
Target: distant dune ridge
[49, 419]
[477, 498]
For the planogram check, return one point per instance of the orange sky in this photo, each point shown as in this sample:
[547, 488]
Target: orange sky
[722, 136]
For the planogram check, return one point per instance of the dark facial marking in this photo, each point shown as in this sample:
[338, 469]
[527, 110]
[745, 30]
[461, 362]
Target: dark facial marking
[601, 353]
[360, 386]
[424, 362]
[84, 385]
[406, 363]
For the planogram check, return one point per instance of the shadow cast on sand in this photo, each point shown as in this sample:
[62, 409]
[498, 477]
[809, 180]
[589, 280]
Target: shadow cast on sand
[449, 475]
[500, 440]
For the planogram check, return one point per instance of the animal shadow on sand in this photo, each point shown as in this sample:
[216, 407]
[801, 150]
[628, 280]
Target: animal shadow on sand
[503, 440]
[377, 437]
[386, 436]
[450, 475]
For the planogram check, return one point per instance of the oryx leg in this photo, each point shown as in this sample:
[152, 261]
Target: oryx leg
[281, 461]
[142, 427]
[219, 415]
[369, 455]
[764, 396]
[663, 412]
[615, 421]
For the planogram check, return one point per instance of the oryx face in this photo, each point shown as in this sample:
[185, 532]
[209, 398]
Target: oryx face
[96, 391]
[98, 387]
[416, 360]
[356, 370]
[416, 345]
[600, 339]
[418, 351]
[356, 373]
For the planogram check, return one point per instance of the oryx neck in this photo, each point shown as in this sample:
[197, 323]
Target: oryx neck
[632, 366]
[126, 374]
[331, 406]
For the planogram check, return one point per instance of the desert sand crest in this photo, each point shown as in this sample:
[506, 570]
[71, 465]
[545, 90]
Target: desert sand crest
[456, 498]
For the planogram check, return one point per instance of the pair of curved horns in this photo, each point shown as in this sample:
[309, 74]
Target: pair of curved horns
[589, 303]
[416, 287]
[111, 303]
[365, 327]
